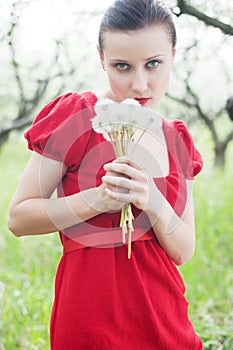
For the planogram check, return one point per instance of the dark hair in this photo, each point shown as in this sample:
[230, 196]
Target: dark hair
[126, 15]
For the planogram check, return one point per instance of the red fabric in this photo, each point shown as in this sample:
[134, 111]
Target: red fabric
[106, 237]
[103, 301]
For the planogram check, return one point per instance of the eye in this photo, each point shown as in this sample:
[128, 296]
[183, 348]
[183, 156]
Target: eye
[122, 66]
[153, 64]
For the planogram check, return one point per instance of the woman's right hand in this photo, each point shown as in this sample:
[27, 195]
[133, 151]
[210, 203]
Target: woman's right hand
[106, 202]
[33, 211]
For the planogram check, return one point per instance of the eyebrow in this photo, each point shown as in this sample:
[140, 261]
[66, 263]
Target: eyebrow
[146, 60]
[117, 59]
[154, 57]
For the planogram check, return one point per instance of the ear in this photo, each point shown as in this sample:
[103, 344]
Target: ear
[101, 56]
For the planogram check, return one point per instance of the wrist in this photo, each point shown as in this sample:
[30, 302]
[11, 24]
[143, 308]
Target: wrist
[92, 199]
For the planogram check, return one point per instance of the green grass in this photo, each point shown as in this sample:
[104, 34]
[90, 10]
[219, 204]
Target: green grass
[28, 265]
[209, 275]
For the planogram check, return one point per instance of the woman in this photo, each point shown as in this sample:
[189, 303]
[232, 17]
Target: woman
[102, 299]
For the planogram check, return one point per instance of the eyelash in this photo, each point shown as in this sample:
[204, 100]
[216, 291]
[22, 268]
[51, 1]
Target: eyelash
[117, 65]
[157, 63]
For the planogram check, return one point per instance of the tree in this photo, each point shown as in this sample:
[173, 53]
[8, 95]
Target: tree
[26, 102]
[32, 83]
[190, 95]
[197, 19]
[185, 8]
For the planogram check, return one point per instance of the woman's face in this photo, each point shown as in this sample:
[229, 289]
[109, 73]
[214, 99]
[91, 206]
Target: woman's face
[138, 64]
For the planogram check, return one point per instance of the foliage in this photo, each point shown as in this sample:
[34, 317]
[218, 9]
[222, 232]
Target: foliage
[28, 265]
[202, 84]
[42, 45]
[209, 274]
[43, 58]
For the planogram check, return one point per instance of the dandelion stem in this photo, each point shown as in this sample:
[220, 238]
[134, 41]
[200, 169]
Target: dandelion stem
[143, 132]
[129, 242]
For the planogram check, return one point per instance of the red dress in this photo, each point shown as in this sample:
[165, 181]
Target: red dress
[103, 301]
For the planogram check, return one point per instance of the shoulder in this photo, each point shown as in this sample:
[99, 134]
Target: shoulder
[59, 124]
[66, 105]
[177, 134]
[176, 126]
[181, 145]
[60, 110]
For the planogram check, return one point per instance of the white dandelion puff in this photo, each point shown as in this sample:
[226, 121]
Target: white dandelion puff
[118, 122]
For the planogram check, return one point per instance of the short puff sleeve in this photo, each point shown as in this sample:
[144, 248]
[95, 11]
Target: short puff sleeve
[185, 162]
[62, 128]
[186, 154]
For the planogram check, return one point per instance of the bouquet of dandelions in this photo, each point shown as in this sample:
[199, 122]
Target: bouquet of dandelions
[118, 122]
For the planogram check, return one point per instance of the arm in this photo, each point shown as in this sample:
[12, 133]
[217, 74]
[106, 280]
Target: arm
[176, 235]
[33, 211]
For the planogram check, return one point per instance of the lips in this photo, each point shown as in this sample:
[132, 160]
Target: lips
[142, 100]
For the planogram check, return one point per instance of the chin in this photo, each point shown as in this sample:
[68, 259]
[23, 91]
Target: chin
[151, 104]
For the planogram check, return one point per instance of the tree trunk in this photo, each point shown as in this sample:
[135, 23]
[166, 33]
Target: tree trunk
[16, 124]
[219, 156]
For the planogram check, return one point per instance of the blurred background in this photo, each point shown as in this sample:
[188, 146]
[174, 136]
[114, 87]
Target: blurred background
[48, 48]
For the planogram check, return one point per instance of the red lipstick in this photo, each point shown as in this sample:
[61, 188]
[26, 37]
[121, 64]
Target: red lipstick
[142, 100]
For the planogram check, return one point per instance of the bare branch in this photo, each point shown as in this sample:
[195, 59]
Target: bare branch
[210, 21]
[195, 104]
[14, 62]
[229, 107]
[10, 125]
[229, 137]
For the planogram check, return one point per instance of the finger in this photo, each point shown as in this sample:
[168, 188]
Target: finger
[113, 173]
[118, 182]
[125, 160]
[119, 196]
[125, 169]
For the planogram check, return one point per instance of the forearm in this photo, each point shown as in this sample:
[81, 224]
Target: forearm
[41, 215]
[175, 234]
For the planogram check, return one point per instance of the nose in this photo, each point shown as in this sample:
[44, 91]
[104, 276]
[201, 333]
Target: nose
[139, 82]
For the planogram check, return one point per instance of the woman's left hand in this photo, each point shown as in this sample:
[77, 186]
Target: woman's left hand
[127, 182]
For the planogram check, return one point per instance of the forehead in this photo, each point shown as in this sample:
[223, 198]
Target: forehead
[147, 41]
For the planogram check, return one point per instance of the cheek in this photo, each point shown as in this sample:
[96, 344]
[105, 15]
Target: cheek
[162, 80]
[160, 85]
[117, 81]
